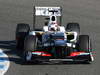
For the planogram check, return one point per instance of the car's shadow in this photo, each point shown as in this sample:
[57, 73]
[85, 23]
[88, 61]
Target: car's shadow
[9, 47]
[15, 55]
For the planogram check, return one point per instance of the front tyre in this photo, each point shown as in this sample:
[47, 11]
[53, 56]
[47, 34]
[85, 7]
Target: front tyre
[85, 46]
[84, 43]
[30, 43]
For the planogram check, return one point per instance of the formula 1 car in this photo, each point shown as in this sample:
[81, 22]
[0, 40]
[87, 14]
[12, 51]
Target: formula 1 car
[54, 42]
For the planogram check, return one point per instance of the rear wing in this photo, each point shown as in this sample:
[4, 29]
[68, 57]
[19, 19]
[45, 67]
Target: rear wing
[46, 11]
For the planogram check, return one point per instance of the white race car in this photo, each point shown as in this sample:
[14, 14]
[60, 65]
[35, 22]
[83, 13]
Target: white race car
[54, 42]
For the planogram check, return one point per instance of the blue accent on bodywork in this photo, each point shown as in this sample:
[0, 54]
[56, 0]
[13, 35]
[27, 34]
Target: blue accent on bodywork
[3, 59]
[2, 66]
[60, 42]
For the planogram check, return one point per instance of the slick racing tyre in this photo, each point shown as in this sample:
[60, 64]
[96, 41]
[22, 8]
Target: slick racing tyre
[84, 43]
[73, 27]
[85, 46]
[21, 31]
[30, 43]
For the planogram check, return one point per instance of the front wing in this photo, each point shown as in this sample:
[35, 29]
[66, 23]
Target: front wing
[46, 57]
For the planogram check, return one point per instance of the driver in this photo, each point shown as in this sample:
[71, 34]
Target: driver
[54, 27]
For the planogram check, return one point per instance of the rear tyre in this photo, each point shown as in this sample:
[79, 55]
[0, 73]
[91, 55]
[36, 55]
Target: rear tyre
[21, 31]
[85, 46]
[73, 27]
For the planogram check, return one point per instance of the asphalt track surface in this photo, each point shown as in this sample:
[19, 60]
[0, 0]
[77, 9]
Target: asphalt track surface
[85, 12]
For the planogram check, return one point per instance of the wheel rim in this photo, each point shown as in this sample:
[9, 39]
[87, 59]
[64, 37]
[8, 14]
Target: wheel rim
[28, 55]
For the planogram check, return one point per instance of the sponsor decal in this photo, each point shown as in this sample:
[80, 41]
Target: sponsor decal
[45, 11]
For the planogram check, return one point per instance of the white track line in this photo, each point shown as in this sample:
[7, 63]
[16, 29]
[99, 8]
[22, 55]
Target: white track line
[4, 62]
